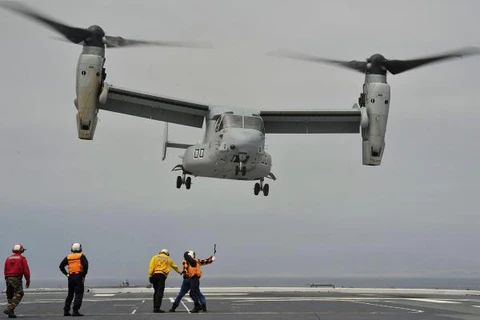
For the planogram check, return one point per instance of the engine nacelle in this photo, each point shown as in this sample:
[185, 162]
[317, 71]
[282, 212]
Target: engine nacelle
[377, 103]
[89, 81]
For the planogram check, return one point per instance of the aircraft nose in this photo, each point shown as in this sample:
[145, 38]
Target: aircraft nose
[244, 140]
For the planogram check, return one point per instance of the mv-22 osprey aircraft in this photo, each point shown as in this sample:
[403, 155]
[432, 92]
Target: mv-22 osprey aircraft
[233, 146]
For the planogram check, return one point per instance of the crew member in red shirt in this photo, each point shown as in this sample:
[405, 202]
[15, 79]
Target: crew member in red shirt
[16, 267]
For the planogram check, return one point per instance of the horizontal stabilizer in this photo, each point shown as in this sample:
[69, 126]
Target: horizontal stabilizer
[168, 144]
[178, 145]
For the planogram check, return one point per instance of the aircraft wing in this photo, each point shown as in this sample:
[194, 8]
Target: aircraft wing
[152, 107]
[320, 121]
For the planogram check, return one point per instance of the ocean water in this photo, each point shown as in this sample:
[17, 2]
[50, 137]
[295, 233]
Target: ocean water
[354, 282]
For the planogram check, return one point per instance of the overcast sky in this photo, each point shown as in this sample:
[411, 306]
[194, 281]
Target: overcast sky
[326, 215]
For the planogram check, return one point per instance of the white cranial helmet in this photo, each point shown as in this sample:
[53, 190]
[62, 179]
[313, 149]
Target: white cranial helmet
[76, 247]
[191, 253]
[18, 248]
[165, 251]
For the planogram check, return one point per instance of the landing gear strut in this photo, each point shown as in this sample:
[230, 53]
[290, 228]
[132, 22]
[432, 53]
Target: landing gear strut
[259, 186]
[183, 179]
[241, 168]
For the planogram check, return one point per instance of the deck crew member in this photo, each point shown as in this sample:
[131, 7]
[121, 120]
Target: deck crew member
[77, 264]
[16, 267]
[195, 273]
[158, 271]
[185, 288]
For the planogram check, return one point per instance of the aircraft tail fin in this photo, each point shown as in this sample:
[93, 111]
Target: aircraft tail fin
[168, 144]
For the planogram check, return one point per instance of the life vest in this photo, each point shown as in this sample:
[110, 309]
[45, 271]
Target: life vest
[74, 263]
[194, 271]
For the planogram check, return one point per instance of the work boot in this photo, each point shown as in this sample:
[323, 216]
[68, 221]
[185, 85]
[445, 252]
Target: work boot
[76, 314]
[204, 307]
[9, 313]
[66, 313]
[172, 309]
[157, 310]
[195, 310]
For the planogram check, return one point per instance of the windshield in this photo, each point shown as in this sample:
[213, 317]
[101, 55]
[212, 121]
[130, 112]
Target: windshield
[254, 123]
[231, 121]
[237, 121]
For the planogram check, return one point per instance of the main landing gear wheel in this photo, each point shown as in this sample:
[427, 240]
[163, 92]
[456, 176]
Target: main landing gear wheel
[187, 181]
[266, 189]
[256, 189]
[259, 186]
[179, 182]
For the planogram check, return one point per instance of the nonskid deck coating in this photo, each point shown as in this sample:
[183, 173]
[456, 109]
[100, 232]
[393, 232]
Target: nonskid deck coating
[263, 303]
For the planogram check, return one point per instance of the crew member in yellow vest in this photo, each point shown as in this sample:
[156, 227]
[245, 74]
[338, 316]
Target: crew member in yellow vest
[158, 271]
[77, 265]
[195, 273]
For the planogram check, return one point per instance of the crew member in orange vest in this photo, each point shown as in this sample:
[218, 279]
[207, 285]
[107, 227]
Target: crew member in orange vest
[77, 270]
[194, 273]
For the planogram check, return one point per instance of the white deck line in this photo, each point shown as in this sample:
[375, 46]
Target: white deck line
[433, 300]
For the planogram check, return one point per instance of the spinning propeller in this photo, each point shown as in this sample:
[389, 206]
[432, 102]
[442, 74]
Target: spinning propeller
[91, 36]
[378, 64]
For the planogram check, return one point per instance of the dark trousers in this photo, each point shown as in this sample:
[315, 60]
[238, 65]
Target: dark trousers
[195, 291]
[158, 283]
[75, 288]
[183, 291]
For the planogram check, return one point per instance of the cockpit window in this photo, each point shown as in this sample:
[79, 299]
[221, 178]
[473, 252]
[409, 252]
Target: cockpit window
[231, 121]
[237, 121]
[254, 123]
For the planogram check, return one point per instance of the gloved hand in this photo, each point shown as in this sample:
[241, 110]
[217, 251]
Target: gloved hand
[27, 284]
[212, 258]
[150, 280]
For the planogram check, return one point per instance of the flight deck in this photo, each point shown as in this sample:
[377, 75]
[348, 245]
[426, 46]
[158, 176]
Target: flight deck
[262, 303]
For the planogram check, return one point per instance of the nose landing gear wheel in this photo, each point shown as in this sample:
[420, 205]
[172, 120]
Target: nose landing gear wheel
[241, 168]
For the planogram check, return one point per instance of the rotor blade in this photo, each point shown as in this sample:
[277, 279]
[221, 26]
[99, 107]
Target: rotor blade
[75, 35]
[360, 66]
[116, 42]
[398, 66]
[62, 39]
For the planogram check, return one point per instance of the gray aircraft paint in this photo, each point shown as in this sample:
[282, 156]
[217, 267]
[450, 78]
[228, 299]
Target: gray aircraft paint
[88, 88]
[377, 102]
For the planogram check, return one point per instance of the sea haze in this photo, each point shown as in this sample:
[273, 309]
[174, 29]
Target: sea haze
[356, 282]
